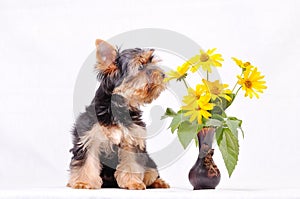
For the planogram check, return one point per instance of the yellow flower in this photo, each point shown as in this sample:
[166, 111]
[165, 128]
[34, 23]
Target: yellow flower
[194, 95]
[199, 108]
[179, 73]
[252, 82]
[243, 65]
[206, 60]
[217, 90]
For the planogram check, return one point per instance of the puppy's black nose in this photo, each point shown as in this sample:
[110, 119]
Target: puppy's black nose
[163, 75]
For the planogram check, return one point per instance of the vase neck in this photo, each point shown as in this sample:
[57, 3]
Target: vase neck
[205, 139]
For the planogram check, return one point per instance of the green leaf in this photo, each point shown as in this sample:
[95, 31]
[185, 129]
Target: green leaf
[177, 120]
[217, 117]
[224, 115]
[233, 125]
[199, 128]
[226, 103]
[169, 113]
[186, 132]
[217, 110]
[229, 148]
[242, 132]
[234, 121]
[235, 118]
[219, 134]
[196, 140]
[213, 122]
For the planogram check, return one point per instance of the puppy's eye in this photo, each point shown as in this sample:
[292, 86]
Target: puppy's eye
[141, 67]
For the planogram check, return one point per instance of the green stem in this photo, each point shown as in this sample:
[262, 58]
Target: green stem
[235, 94]
[207, 75]
[238, 91]
[185, 83]
[236, 83]
[234, 86]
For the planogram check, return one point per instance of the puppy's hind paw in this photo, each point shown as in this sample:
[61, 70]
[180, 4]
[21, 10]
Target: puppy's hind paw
[159, 183]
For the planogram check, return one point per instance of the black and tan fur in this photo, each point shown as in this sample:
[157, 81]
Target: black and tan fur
[109, 137]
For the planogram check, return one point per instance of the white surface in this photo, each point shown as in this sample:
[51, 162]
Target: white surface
[44, 43]
[65, 193]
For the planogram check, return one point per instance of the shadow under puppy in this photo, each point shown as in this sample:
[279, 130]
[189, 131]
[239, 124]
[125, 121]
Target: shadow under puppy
[109, 137]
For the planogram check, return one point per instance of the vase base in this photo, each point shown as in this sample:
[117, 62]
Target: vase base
[203, 188]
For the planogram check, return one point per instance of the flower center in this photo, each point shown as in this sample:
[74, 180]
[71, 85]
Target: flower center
[247, 64]
[248, 84]
[215, 90]
[204, 57]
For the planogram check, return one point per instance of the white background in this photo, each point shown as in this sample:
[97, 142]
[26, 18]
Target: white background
[44, 43]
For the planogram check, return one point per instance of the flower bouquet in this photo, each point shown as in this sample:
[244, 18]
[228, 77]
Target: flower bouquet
[203, 118]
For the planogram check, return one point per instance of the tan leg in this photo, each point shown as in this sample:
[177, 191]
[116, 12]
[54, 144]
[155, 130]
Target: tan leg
[85, 173]
[86, 176]
[129, 173]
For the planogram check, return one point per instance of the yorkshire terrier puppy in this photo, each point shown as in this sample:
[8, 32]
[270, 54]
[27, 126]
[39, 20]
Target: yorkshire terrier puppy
[109, 137]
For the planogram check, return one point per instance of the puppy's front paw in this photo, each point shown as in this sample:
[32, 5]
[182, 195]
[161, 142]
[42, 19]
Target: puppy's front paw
[85, 185]
[136, 186]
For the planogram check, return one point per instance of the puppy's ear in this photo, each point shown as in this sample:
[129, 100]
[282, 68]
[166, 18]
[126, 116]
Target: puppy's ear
[146, 56]
[106, 56]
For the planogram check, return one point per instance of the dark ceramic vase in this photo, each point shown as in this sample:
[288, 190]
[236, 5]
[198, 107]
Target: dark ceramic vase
[205, 173]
